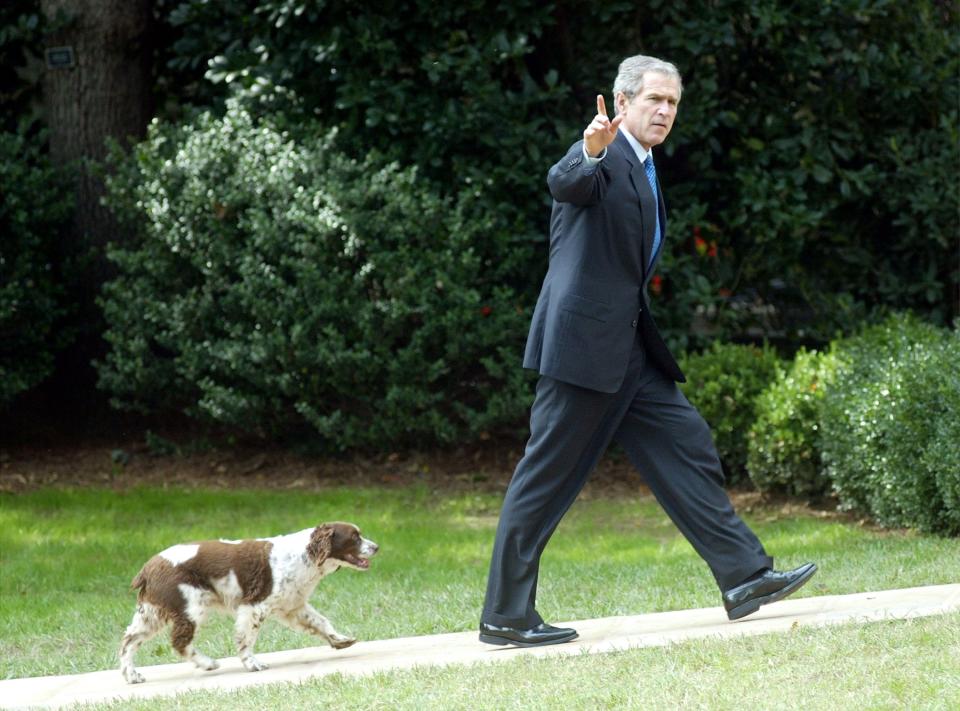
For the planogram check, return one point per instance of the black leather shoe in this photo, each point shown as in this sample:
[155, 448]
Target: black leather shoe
[767, 587]
[538, 636]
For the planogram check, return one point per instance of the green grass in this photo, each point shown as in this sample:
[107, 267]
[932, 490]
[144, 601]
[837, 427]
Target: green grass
[881, 665]
[67, 557]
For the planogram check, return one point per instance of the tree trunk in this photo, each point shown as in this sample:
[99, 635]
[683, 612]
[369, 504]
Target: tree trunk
[107, 93]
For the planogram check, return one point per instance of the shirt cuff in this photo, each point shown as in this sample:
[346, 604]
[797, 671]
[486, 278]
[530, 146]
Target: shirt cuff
[590, 160]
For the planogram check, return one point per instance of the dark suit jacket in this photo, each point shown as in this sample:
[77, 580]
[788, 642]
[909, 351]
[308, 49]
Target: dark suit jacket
[594, 295]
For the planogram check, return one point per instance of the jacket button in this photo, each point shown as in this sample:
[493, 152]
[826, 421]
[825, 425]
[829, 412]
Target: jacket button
[634, 324]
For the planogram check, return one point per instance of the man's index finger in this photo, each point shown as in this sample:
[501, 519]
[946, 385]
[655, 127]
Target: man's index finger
[601, 106]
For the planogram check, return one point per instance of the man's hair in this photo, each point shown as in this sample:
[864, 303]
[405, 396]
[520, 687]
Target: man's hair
[630, 74]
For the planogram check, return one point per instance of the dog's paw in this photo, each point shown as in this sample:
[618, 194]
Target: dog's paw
[133, 677]
[341, 642]
[206, 663]
[253, 664]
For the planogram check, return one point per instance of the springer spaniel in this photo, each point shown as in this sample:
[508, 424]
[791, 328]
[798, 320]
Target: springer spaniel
[251, 579]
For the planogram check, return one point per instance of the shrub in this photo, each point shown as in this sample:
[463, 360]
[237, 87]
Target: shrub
[449, 87]
[783, 452]
[33, 211]
[492, 91]
[889, 422]
[281, 288]
[723, 383]
[943, 455]
[22, 30]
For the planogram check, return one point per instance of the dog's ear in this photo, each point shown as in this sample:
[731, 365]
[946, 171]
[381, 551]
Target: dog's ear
[321, 543]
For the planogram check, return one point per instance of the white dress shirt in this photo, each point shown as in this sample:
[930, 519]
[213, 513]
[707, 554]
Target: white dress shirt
[641, 152]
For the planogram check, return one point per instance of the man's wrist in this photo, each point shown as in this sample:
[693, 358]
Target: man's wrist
[593, 160]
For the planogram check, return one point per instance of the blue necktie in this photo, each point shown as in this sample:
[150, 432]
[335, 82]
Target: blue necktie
[652, 177]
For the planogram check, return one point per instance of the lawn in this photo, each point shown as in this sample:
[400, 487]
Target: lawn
[882, 665]
[67, 556]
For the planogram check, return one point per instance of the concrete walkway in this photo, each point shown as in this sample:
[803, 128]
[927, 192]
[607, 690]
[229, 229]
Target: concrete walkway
[596, 636]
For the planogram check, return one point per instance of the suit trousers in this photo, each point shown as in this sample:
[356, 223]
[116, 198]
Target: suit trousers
[665, 438]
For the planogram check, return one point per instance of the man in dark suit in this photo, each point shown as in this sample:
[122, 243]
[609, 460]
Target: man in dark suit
[606, 374]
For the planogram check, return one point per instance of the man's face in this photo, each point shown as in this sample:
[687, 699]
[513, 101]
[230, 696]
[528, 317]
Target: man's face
[649, 115]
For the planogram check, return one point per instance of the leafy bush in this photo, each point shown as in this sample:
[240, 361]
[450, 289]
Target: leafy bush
[723, 383]
[281, 288]
[448, 87]
[865, 215]
[784, 446]
[889, 425]
[942, 456]
[490, 93]
[876, 420]
[33, 211]
[22, 28]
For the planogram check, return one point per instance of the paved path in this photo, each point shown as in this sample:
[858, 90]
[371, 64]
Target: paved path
[602, 635]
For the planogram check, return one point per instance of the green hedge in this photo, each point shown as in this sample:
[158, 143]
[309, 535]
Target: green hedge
[22, 30]
[874, 421]
[447, 87]
[942, 456]
[723, 383]
[811, 175]
[816, 144]
[284, 289]
[890, 425]
[33, 211]
[785, 441]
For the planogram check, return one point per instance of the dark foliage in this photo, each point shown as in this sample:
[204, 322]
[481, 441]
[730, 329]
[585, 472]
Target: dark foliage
[34, 273]
[723, 383]
[283, 289]
[814, 155]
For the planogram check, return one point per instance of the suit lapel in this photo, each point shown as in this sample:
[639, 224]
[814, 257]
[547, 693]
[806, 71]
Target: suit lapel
[648, 207]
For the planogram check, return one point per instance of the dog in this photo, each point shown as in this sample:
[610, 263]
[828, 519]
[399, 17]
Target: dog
[250, 579]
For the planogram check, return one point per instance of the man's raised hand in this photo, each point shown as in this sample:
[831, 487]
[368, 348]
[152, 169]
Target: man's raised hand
[601, 131]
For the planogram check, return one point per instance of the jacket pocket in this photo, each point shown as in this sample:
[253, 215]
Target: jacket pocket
[596, 310]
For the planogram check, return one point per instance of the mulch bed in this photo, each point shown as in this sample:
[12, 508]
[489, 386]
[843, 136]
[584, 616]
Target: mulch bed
[484, 468]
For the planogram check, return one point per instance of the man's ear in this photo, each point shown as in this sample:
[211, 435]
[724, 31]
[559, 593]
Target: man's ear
[620, 102]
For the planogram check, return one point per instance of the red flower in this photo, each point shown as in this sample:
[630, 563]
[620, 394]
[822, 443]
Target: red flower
[485, 311]
[712, 252]
[701, 245]
[656, 284]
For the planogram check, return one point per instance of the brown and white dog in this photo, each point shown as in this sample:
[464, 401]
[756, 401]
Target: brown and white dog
[251, 579]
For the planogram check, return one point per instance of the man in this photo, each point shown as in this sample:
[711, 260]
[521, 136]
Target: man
[606, 374]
